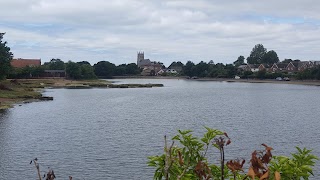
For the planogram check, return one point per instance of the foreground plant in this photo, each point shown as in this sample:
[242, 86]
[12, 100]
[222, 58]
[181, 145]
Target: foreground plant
[297, 167]
[49, 175]
[190, 161]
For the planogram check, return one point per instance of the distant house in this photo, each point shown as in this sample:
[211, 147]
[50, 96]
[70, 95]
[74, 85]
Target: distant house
[21, 63]
[265, 67]
[167, 71]
[243, 67]
[278, 67]
[292, 67]
[316, 63]
[159, 73]
[152, 69]
[172, 71]
[253, 67]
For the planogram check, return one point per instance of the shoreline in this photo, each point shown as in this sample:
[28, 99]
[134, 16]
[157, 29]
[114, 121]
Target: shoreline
[293, 82]
[20, 91]
[35, 86]
[231, 80]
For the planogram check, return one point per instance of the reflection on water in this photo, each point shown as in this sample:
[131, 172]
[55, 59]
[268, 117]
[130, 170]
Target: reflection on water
[109, 133]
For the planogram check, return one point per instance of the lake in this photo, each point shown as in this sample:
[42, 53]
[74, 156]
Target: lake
[109, 133]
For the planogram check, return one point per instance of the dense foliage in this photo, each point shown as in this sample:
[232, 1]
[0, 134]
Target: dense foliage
[5, 58]
[260, 55]
[55, 64]
[239, 61]
[190, 159]
[313, 73]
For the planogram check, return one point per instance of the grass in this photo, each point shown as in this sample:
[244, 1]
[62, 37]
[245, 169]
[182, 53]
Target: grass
[16, 91]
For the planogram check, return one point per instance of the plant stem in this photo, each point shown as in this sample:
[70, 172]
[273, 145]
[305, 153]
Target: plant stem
[38, 169]
[222, 163]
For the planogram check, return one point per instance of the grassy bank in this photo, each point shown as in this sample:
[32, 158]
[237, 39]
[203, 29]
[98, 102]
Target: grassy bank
[21, 90]
[15, 91]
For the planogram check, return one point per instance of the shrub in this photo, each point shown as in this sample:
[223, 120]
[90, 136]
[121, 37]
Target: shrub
[190, 161]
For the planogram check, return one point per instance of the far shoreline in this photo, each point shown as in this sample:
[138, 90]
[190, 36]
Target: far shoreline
[231, 80]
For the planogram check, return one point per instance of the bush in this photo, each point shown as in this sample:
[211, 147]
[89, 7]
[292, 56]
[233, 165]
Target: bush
[190, 161]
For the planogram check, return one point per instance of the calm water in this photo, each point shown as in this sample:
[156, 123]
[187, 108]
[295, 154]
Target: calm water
[109, 133]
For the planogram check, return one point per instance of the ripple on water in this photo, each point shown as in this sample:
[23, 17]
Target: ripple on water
[109, 133]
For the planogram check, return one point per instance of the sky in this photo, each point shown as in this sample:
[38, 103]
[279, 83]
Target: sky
[165, 30]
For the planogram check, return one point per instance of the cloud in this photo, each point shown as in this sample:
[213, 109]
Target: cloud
[167, 30]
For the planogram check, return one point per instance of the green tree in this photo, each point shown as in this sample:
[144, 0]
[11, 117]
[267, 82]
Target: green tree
[104, 69]
[261, 74]
[231, 70]
[257, 54]
[187, 70]
[120, 70]
[84, 62]
[5, 58]
[73, 70]
[55, 64]
[87, 72]
[176, 64]
[201, 69]
[132, 69]
[270, 57]
[239, 61]
[286, 61]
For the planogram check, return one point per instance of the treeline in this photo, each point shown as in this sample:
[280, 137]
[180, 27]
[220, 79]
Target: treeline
[77, 70]
[106, 69]
[220, 70]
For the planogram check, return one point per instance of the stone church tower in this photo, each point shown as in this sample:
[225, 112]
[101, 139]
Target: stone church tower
[140, 58]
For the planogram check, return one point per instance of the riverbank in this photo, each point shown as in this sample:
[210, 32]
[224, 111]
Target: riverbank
[26, 90]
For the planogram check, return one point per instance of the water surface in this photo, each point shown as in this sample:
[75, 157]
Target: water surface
[109, 133]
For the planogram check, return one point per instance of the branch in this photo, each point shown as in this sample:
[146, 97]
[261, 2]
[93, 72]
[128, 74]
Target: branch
[168, 159]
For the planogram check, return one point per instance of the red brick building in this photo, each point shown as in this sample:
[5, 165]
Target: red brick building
[20, 63]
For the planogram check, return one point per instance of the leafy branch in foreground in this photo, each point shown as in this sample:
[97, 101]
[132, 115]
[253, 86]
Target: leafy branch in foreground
[190, 161]
[297, 167]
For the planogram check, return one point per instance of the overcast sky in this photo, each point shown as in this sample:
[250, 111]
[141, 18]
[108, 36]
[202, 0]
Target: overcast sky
[166, 30]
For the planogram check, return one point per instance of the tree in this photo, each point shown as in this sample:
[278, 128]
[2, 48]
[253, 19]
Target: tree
[262, 74]
[201, 69]
[176, 64]
[239, 61]
[231, 70]
[84, 62]
[73, 70]
[120, 70]
[187, 70]
[211, 62]
[55, 64]
[257, 54]
[270, 57]
[132, 69]
[5, 58]
[104, 69]
[286, 61]
[87, 72]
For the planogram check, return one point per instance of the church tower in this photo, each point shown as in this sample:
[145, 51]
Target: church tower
[140, 58]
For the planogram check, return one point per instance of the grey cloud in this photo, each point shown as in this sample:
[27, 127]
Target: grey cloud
[181, 29]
